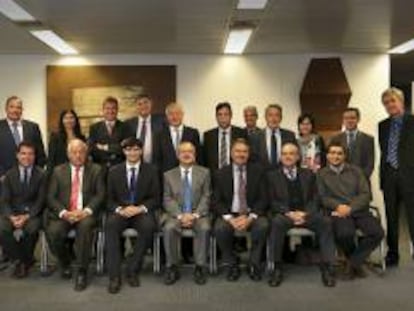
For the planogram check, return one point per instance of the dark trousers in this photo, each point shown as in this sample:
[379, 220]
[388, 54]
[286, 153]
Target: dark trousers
[224, 233]
[57, 232]
[397, 191]
[345, 231]
[317, 223]
[116, 224]
[23, 249]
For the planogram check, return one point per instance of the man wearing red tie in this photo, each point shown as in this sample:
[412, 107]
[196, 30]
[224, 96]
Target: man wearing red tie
[76, 193]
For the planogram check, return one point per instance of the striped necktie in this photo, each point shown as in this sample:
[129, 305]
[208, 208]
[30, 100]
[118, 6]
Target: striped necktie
[393, 142]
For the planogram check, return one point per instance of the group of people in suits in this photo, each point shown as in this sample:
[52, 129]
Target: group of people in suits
[152, 173]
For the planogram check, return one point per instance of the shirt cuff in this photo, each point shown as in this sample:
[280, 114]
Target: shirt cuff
[144, 209]
[227, 217]
[88, 211]
[118, 209]
[196, 215]
[253, 216]
[62, 213]
[179, 216]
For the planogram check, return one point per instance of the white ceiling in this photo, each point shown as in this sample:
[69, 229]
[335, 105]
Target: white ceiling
[200, 26]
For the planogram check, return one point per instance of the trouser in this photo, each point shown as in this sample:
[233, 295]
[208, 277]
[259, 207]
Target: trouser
[23, 249]
[145, 225]
[224, 233]
[57, 231]
[172, 234]
[322, 226]
[345, 230]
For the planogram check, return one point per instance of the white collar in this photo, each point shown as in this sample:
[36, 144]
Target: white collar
[147, 119]
[179, 128]
[73, 167]
[136, 166]
[183, 169]
[10, 122]
[269, 130]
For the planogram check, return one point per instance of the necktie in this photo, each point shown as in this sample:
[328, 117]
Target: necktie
[223, 150]
[291, 174]
[351, 144]
[25, 180]
[242, 191]
[176, 138]
[110, 128]
[393, 141]
[16, 134]
[143, 134]
[273, 148]
[74, 190]
[132, 185]
[187, 207]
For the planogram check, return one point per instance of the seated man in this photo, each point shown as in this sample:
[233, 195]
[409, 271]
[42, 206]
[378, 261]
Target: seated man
[23, 196]
[240, 203]
[76, 193]
[294, 203]
[186, 202]
[133, 196]
[346, 195]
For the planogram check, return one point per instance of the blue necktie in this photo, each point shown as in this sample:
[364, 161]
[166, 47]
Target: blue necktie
[273, 148]
[132, 186]
[187, 207]
[393, 141]
[16, 134]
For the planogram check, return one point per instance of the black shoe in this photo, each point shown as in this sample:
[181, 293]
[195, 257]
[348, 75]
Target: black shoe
[200, 277]
[81, 281]
[133, 280]
[171, 275]
[276, 276]
[233, 273]
[348, 272]
[254, 273]
[360, 272]
[114, 285]
[19, 271]
[66, 272]
[392, 260]
[328, 275]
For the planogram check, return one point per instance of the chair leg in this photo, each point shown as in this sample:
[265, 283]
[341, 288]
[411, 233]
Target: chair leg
[157, 253]
[100, 253]
[43, 254]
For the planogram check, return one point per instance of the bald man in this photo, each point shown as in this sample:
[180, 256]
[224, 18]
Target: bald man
[76, 193]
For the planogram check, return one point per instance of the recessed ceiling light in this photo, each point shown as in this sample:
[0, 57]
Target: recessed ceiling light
[237, 40]
[403, 48]
[13, 11]
[251, 4]
[54, 41]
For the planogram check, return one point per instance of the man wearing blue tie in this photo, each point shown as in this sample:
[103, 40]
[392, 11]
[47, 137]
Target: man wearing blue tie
[187, 193]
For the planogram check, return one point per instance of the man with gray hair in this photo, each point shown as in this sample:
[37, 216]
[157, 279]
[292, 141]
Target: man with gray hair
[251, 115]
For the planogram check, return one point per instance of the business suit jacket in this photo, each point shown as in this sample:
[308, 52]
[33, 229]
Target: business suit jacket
[18, 199]
[93, 189]
[256, 190]
[166, 156]
[364, 151]
[259, 146]
[211, 145]
[174, 194]
[98, 134]
[279, 193]
[405, 149]
[157, 123]
[8, 148]
[147, 188]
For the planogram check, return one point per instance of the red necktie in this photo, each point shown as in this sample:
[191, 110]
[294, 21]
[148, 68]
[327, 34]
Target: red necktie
[74, 193]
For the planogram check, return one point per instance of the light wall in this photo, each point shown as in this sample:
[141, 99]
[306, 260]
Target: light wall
[203, 80]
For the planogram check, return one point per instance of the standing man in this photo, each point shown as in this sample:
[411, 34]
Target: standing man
[14, 130]
[23, 202]
[105, 136]
[133, 197]
[250, 115]
[240, 204]
[217, 141]
[267, 144]
[396, 138]
[75, 196]
[187, 192]
[345, 196]
[172, 135]
[294, 203]
[360, 146]
[145, 127]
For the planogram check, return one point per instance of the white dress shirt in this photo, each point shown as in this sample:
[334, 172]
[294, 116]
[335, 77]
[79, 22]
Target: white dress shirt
[147, 148]
[269, 142]
[176, 133]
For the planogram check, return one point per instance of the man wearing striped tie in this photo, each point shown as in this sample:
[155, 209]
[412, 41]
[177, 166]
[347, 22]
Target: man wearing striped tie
[396, 138]
[186, 203]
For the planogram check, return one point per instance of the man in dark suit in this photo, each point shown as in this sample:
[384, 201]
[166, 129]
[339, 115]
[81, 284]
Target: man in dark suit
[267, 144]
[22, 204]
[240, 204]
[172, 135]
[133, 197]
[360, 146]
[396, 138]
[75, 197]
[145, 127]
[105, 136]
[294, 203]
[14, 130]
[217, 141]
[345, 196]
[251, 115]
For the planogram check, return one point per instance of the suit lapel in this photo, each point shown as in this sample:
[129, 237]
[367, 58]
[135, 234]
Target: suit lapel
[263, 146]
[283, 184]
